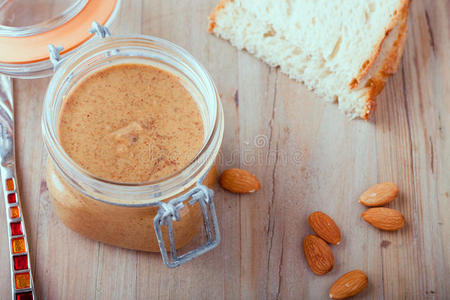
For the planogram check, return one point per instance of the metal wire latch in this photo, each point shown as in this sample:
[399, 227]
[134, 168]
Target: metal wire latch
[99, 30]
[55, 57]
[169, 212]
[55, 51]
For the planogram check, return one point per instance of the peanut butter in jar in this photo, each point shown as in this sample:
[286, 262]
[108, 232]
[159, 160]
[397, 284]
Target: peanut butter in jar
[131, 123]
[134, 128]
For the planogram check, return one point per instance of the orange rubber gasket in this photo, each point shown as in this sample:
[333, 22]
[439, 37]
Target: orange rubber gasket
[34, 48]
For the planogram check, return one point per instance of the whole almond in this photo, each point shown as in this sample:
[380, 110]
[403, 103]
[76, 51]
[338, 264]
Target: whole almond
[379, 195]
[384, 218]
[325, 227]
[348, 285]
[318, 254]
[239, 181]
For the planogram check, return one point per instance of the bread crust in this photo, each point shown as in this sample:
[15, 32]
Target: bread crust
[389, 67]
[402, 11]
[376, 83]
[212, 16]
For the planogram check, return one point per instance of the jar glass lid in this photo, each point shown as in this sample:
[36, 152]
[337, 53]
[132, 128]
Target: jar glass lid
[21, 18]
[28, 27]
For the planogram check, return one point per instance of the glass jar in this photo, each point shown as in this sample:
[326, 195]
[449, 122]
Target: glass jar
[28, 27]
[144, 216]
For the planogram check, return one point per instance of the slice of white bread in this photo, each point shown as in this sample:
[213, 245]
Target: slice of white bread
[343, 50]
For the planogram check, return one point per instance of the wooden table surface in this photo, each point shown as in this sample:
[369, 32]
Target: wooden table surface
[308, 157]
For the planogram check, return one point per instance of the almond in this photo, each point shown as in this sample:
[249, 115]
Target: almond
[325, 227]
[379, 195]
[348, 285]
[239, 181]
[384, 218]
[318, 254]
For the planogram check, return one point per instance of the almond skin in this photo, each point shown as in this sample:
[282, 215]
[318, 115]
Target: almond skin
[384, 218]
[379, 195]
[348, 285]
[318, 254]
[325, 227]
[239, 181]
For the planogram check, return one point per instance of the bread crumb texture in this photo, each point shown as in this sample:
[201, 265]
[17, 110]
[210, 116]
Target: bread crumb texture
[343, 50]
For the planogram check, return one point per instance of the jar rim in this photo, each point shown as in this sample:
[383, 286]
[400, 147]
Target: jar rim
[143, 193]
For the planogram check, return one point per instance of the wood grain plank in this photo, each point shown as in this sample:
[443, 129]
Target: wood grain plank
[308, 157]
[228, 205]
[256, 96]
[408, 138]
[336, 163]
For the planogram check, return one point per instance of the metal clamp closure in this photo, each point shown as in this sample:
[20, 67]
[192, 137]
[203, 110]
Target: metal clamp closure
[55, 56]
[99, 30]
[169, 212]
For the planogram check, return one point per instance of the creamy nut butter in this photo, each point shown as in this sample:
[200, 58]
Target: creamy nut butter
[131, 123]
[127, 123]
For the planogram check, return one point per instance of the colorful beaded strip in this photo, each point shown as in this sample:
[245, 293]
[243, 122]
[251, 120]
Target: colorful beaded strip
[21, 278]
